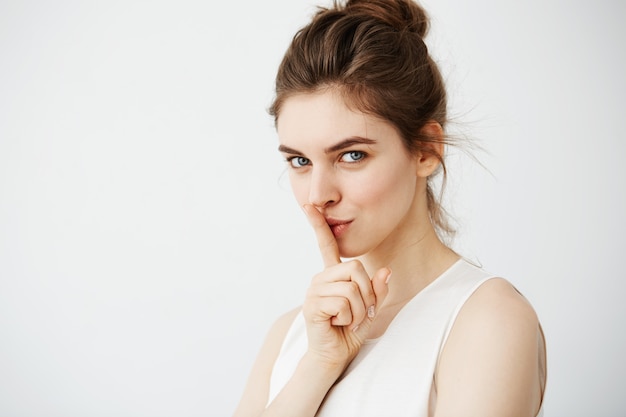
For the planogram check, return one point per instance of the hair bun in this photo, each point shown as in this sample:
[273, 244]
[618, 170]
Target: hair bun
[399, 14]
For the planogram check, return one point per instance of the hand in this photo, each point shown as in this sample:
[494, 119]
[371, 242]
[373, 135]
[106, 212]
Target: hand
[341, 302]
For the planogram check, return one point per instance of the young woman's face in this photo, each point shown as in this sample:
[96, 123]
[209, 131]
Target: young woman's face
[353, 168]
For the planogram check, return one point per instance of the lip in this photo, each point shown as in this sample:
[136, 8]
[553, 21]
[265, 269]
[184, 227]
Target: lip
[338, 227]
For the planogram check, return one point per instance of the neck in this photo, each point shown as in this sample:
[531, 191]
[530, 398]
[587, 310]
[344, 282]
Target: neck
[416, 260]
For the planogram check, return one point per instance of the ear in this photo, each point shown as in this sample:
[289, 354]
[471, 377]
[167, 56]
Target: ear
[429, 159]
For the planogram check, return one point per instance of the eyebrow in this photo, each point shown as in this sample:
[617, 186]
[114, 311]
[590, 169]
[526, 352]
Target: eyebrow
[346, 143]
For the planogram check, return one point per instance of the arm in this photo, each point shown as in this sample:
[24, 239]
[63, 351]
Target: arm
[257, 388]
[490, 364]
[303, 394]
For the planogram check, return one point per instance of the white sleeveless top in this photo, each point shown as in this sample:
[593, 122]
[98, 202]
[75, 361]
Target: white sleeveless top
[392, 375]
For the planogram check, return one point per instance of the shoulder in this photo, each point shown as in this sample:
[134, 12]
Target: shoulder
[497, 303]
[282, 324]
[496, 317]
[491, 361]
[274, 339]
[256, 392]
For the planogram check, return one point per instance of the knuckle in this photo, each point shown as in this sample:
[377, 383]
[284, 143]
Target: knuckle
[318, 278]
[343, 305]
[353, 288]
[355, 264]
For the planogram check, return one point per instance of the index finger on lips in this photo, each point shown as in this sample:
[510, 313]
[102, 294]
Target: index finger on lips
[325, 238]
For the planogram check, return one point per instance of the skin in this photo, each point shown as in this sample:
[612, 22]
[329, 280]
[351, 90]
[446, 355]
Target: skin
[364, 195]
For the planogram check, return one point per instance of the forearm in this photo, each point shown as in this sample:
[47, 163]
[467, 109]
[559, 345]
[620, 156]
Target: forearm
[305, 391]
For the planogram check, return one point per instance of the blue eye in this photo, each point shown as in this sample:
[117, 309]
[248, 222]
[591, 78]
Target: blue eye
[352, 156]
[298, 161]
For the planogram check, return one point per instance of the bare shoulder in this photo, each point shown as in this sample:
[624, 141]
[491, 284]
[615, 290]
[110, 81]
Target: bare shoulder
[276, 336]
[281, 325]
[256, 392]
[498, 302]
[492, 362]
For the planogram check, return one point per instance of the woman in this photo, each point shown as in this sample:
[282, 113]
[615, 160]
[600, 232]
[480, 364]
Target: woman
[360, 111]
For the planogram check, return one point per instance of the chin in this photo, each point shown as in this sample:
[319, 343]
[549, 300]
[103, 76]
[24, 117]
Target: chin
[346, 251]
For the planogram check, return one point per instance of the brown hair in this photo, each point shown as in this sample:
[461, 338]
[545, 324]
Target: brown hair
[372, 52]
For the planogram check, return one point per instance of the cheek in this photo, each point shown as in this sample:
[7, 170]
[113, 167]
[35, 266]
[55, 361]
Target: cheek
[387, 187]
[371, 192]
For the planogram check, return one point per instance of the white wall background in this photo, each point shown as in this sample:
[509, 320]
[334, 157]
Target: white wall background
[148, 238]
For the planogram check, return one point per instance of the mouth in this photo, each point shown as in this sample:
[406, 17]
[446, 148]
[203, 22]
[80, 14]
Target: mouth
[338, 227]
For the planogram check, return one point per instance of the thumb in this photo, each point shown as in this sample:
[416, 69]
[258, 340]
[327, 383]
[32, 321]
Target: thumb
[381, 289]
[380, 282]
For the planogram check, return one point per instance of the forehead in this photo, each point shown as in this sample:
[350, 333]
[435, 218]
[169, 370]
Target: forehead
[323, 118]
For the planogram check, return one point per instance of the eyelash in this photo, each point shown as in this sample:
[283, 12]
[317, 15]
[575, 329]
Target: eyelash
[362, 155]
[290, 160]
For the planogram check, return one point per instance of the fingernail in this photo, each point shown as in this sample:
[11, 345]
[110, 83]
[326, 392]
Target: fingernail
[371, 312]
[388, 277]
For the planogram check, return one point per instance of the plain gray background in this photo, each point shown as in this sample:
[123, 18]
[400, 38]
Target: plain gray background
[148, 237]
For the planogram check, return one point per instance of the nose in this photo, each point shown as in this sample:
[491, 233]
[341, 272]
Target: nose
[323, 190]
